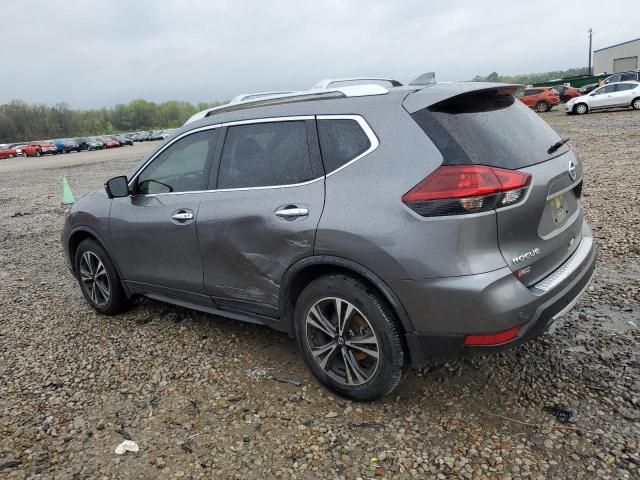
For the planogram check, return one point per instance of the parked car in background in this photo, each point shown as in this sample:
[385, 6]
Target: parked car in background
[45, 147]
[542, 99]
[623, 77]
[30, 150]
[7, 152]
[18, 148]
[64, 145]
[588, 88]
[109, 142]
[123, 140]
[566, 92]
[613, 95]
[71, 146]
[89, 143]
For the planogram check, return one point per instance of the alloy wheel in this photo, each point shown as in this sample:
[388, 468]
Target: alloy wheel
[95, 279]
[636, 104]
[582, 108]
[342, 341]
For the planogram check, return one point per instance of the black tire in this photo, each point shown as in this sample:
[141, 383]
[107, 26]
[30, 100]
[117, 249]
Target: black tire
[116, 301]
[580, 108]
[635, 104]
[378, 377]
[542, 107]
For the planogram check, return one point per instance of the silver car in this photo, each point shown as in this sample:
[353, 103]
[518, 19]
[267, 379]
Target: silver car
[612, 95]
[381, 227]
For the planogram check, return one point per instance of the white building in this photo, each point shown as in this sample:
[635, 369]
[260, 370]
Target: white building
[617, 58]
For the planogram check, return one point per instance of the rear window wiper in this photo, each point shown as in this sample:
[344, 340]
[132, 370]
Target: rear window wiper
[557, 145]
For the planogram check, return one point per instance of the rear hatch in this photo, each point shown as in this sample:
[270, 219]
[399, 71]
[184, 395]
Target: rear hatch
[488, 127]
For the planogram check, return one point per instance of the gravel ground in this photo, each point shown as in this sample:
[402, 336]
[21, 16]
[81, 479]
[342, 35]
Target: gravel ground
[208, 397]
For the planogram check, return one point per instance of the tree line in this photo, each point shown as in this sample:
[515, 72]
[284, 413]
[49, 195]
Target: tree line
[531, 78]
[20, 121]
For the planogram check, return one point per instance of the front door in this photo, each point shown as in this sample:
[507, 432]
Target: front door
[264, 211]
[154, 230]
[603, 97]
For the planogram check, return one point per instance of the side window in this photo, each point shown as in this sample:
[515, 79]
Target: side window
[609, 89]
[598, 91]
[621, 87]
[265, 154]
[341, 140]
[182, 167]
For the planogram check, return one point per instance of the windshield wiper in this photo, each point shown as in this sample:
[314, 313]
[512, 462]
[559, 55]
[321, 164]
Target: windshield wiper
[557, 145]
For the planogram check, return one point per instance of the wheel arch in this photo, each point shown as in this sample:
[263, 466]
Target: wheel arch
[308, 269]
[77, 236]
[575, 107]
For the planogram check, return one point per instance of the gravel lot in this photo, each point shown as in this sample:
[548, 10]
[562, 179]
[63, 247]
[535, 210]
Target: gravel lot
[201, 395]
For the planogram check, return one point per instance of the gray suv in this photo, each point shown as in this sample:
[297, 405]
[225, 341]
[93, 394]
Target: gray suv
[381, 227]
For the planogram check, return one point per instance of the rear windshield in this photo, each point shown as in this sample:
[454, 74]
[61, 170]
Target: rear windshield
[488, 128]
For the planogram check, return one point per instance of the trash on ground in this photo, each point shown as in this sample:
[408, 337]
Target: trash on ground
[10, 464]
[290, 381]
[562, 414]
[127, 446]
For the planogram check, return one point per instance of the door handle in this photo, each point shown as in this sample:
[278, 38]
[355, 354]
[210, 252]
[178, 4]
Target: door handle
[182, 216]
[292, 212]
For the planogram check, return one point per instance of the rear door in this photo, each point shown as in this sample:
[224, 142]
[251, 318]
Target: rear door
[261, 214]
[489, 128]
[623, 94]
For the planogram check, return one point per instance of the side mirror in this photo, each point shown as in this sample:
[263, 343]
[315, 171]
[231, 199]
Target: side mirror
[117, 187]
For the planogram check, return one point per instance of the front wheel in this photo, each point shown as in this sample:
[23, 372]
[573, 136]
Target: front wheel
[349, 338]
[542, 107]
[581, 108]
[98, 279]
[636, 103]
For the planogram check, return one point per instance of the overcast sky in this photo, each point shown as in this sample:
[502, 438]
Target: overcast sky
[96, 53]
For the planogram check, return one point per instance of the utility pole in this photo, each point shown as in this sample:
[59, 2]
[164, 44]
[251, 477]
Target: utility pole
[590, 38]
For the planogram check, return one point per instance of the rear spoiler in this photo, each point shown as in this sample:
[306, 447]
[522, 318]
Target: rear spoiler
[436, 93]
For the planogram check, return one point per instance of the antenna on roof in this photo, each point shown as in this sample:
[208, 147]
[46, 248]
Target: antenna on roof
[428, 78]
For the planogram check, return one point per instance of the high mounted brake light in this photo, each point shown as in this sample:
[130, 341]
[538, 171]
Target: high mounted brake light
[462, 189]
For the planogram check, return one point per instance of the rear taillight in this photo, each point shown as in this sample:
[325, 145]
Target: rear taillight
[463, 189]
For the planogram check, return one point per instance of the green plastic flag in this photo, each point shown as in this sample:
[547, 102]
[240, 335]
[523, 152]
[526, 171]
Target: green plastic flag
[67, 196]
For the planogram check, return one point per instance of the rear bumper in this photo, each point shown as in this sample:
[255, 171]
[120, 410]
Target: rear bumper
[445, 311]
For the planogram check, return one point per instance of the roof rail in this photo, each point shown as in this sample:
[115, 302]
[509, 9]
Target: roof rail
[327, 82]
[251, 96]
[277, 98]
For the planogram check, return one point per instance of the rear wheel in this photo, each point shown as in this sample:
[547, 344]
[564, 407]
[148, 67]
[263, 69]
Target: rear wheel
[98, 279]
[11, 155]
[542, 107]
[38, 153]
[349, 338]
[636, 103]
[581, 108]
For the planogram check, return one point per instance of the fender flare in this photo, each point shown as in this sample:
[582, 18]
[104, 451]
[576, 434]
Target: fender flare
[343, 263]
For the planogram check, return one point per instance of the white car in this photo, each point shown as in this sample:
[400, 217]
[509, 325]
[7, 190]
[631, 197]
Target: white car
[613, 95]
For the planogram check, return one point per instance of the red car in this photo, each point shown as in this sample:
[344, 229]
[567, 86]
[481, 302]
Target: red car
[566, 93]
[109, 142]
[29, 150]
[45, 148]
[542, 99]
[7, 152]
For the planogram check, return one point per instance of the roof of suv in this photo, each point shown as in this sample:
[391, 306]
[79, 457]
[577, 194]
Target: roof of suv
[341, 100]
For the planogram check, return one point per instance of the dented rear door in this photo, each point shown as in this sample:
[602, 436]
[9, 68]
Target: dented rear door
[263, 213]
